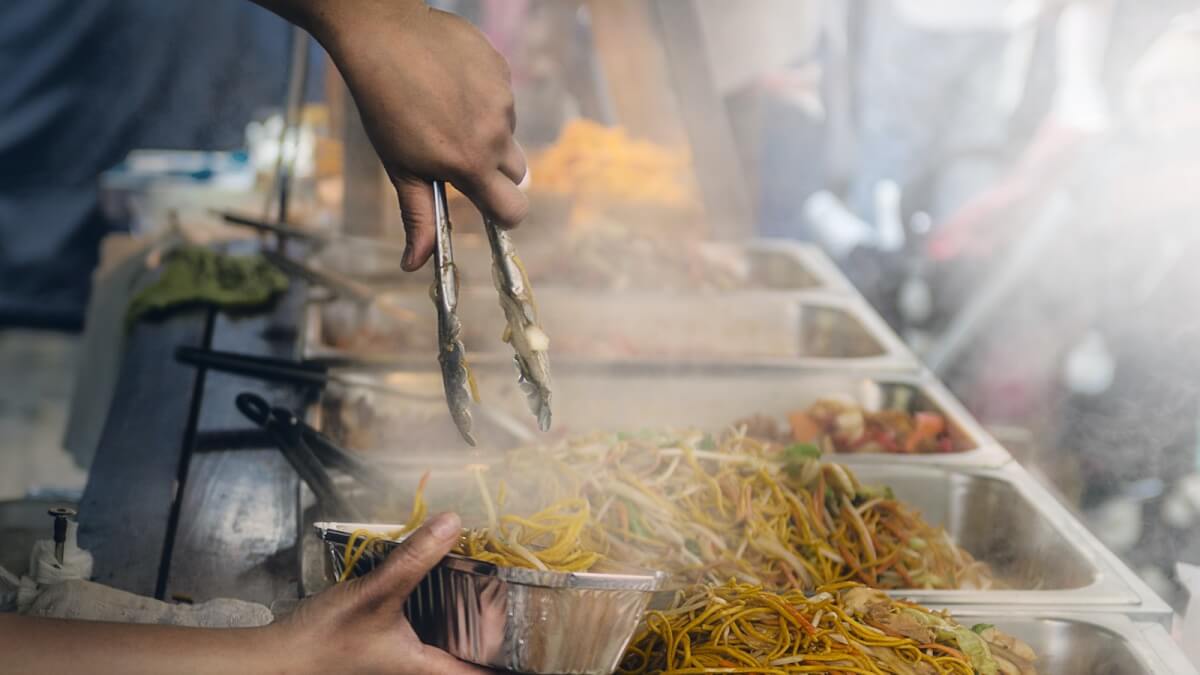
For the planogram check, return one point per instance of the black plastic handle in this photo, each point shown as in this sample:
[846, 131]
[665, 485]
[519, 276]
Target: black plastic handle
[261, 367]
[254, 407]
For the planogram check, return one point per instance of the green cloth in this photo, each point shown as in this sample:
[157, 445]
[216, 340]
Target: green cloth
[196, 275]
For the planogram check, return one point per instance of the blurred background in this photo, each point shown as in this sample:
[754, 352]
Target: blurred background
[1010, 183]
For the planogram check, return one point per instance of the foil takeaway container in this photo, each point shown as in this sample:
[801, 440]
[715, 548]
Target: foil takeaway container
[524, 620]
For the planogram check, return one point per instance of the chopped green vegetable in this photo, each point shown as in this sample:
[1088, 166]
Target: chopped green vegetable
[975, 648]
[980, 627]
[636, 527]
[707, 443]
[968, 640]
[801, 451]
[869, 492]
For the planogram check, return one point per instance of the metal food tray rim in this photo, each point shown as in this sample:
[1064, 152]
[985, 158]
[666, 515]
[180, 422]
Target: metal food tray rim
[895, 354]
[810, 258]
[333, 532]
[808, 255]
[985, 452]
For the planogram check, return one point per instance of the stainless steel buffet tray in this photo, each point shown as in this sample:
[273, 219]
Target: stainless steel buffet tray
[999, 513]
[778, 264]
[1047, 559]
[813, 329]
[623, 396]
[987, 503]
[1087, 643]
[787, 264]
[1005, 518]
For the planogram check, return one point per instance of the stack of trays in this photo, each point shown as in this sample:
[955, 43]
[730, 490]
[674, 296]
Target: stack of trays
[1070, 598]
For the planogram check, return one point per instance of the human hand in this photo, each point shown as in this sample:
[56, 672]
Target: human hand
[359, 625]
[437, 103]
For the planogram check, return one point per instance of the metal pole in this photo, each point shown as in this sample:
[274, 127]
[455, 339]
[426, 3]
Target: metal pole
[281, 181]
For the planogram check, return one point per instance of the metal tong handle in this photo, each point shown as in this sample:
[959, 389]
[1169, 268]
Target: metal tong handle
[263, 367]
[520, 313]
[344, 286]
[292, 230]
[284, 429]
[452, 355]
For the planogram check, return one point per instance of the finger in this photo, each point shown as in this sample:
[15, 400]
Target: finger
[498, 199]
[513, 163]
[420, 229]
[438, 662]
[409, 562]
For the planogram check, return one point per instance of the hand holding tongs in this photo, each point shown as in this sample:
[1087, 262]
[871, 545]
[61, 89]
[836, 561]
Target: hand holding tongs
[523, 332]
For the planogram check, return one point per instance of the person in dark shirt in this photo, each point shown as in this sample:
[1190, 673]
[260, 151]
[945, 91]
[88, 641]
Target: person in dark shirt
[83, 83]
[436, 102]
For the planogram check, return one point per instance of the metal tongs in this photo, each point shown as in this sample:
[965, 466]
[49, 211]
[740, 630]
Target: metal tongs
[523, 332]
[312, 455]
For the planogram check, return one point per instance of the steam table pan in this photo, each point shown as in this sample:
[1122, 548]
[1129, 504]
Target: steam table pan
[1087, 644]
[622, 396]
[1045, 557]
[524, 620]
[758, 326]
[778, 264]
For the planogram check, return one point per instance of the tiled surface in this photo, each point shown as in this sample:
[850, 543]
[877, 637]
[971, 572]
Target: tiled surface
[36, 373]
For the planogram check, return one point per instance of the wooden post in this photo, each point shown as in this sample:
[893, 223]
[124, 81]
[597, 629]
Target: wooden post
[656, 70]
[719, 172]
[635, 70]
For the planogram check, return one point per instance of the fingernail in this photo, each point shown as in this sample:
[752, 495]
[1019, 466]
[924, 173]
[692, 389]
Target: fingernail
[407, 258]
[445, 525]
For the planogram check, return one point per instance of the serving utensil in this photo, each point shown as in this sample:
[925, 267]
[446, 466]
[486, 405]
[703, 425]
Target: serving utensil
[523, 332]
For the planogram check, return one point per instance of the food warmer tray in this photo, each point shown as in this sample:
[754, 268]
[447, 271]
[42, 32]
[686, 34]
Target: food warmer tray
[623, 396]
[1067, 641]
[1073, 643]
[1005, 518]
[796, 329]
[1047, 559]
[779, 264]
[988, 503]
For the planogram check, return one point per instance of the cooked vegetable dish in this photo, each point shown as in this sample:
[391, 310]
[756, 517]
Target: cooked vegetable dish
[773, 547]
[842, 427]
[842, 628]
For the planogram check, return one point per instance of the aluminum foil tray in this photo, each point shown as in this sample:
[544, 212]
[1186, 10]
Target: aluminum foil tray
[633, 396]
[770, 327]
[516, 619]
[1087, 644]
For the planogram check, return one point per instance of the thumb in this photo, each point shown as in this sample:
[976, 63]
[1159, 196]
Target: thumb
[420, 230]
[409, 562]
